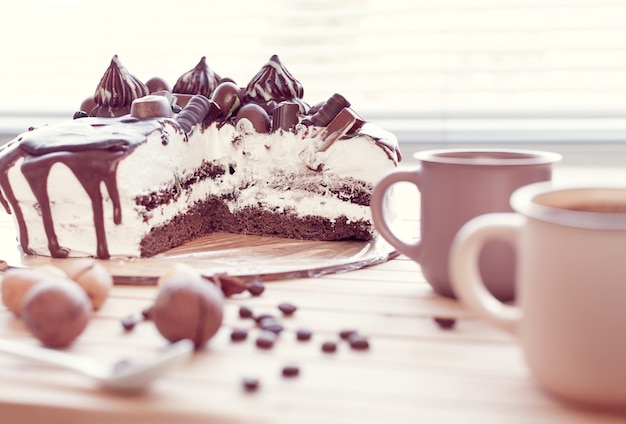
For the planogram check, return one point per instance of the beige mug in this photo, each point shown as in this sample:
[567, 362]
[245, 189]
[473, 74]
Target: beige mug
[570, 314]
[455, 186]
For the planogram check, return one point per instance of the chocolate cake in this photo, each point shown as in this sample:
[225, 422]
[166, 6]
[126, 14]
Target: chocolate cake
[147, 169]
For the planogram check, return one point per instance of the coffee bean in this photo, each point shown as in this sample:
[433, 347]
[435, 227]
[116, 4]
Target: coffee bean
[291, 371]
[329, 347]
[238, 334]
[358, 342]
[287, 308]
[303, 334]
[266, 340]
[272, 326]
[245, 312]
[445, 323]
[256, 288]
[250, 384]
[264, 317]
[145, 313]
[346, 334]
[129, 322]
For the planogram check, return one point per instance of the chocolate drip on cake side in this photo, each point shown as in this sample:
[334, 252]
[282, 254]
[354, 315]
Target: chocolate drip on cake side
[8, 199]
[93, 160]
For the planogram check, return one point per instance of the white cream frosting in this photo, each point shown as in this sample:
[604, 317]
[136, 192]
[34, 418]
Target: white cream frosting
[265, 169]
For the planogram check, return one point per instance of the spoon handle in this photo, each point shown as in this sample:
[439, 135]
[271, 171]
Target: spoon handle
[49, 356]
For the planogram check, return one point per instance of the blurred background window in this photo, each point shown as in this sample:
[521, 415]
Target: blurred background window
[432, 71]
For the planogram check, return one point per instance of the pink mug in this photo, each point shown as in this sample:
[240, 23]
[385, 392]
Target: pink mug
[570, 317]
[456, 186]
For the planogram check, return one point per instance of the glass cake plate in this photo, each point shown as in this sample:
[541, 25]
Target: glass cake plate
[242, 256]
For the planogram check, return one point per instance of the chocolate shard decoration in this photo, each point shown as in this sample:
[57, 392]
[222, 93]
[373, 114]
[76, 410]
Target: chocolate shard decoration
[194, 112]
[199, 80]
[117, 90]
[346, 122]
[285, 116]
[329, 110]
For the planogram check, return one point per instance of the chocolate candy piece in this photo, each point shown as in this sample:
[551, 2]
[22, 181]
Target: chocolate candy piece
[257, 116]
[118, 88]
[88, 104]
[157, 84]
[329, 110]
[151, 106]
[199, 80]
[182, 99]
[285, 116]
[227, 96]
[345, 122]
[193, 113]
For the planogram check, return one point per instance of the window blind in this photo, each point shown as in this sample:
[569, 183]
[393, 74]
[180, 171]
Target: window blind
[401, 61]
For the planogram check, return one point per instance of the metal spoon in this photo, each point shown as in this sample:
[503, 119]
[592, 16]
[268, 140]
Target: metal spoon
[121, 376]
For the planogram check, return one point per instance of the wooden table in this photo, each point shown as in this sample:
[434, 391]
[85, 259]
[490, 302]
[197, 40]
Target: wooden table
[414, 371]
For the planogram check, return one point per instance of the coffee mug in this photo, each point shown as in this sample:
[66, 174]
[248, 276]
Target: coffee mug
[456, 186]
[570, 315]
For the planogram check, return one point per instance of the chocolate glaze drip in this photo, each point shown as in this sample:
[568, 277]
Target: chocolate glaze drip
[199, 80]
[194, 112]
[116, 91]
[274, 84]
[91, 148]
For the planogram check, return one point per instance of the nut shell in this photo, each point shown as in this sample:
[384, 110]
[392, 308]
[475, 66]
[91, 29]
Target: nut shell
[15, 284]
[94, 278]
[188, 309]
[56, 311]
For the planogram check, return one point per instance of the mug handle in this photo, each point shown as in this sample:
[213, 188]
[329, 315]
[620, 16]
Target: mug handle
[378, 214]
[464, 269]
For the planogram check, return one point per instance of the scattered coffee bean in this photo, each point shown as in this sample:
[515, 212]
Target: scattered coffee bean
[238, 334]
[266, 340]
[445, 323]
[358, 342]
[256, 288]
[273, 326]
[250, 384]
[291, 371]
[146, 313]
[129, 322]
[329, 347]
[303, 334]
[80, 114]
[346, 334]
[287, 308]
[245, 312]
[263, 317]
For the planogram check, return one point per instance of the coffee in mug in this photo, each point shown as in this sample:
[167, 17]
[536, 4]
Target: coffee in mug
[455, 186]
[570, 317]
